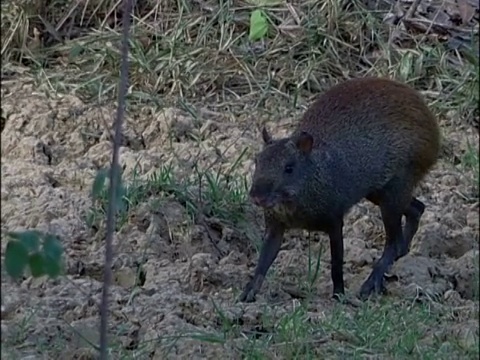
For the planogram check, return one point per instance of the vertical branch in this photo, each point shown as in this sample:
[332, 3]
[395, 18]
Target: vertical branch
[114, 179]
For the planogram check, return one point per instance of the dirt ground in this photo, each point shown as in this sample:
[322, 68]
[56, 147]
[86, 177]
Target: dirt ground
[53, 146]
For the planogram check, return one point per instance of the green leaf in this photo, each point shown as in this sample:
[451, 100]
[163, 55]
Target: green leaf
[16, 258]
[52, 251]
[121, 194]
[51, 267]
[406, 65]
[76, 50]
[471, 57]
[91, 218]
[52, 248]
[37, 262]
[99, 183]
[258, 25]
[30, 239]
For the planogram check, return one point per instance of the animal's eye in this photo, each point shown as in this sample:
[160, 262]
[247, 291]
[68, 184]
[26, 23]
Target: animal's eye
[289, 168]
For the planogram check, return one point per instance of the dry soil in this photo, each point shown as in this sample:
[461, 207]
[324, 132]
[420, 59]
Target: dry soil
[51, 148]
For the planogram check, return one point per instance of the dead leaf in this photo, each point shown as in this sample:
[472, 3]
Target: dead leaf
[466, 11]
[125, 277]
[265, 2]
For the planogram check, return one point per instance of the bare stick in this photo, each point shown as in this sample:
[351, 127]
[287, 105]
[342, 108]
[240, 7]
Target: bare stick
[413, 8]
[114, 180]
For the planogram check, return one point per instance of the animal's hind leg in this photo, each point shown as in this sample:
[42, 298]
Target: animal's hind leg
[394, 201]
[413, 213]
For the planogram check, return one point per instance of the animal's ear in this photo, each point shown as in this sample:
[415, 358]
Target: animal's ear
[304, 142]
[267, 138]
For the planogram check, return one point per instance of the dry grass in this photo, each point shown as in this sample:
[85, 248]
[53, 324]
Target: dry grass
[200, 51]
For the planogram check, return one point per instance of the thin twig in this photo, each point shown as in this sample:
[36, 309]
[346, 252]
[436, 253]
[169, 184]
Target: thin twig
[413, 8]
[114, 179]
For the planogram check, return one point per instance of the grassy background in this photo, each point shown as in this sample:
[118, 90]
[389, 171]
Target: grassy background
[200, 51]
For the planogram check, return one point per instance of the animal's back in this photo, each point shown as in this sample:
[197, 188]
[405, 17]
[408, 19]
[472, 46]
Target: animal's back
[377, 124]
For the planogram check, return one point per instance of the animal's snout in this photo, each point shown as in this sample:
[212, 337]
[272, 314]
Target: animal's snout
[258, 200]
[260, 194]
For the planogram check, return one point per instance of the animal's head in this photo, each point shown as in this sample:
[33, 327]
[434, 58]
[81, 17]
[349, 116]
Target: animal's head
[281, 169]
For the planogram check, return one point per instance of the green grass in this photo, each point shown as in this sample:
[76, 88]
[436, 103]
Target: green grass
[205, 54]
[205, 194]
[386, 329]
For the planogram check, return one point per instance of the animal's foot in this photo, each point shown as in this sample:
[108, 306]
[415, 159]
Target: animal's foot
[251, 289]
[374, 285]
[248, 295]
[346, 300]
[339, 296]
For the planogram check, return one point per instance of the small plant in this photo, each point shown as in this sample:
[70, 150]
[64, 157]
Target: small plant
[99, 189]
[258, 25]
[41, 253]
[100, 197]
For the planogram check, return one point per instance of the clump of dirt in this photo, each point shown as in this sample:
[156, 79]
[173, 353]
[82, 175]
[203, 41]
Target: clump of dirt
[169, 266]
[466, 276]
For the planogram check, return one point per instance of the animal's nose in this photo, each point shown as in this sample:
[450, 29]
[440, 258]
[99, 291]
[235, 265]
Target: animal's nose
[256, 196]
[257, 200]
[259, 192]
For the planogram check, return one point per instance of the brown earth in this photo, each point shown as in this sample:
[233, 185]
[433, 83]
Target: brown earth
[51, 149]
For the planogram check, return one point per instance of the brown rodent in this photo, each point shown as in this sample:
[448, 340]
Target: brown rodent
[367, 138]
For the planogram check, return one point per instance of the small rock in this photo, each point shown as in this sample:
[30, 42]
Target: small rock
[417, 275]
[233, 257]
[125, 277]
[473, 220]
[460, 242]
[203, 261]
[437, 239]
[449, 180]
[452, 297]
[358, 256]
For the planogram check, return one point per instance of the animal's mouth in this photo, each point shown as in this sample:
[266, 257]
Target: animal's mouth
[266, 202]
[273, 200]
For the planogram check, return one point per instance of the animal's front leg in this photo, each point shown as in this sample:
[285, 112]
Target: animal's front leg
[271, 245]
[336, 252]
